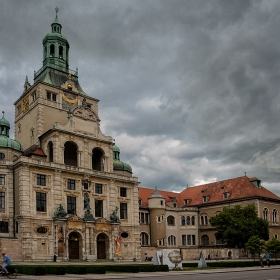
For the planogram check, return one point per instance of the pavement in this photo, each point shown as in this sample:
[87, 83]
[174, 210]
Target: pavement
[132, 275]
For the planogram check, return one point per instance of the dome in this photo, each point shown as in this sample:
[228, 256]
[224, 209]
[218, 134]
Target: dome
[119, 165]
[4, 122]
[6, 142]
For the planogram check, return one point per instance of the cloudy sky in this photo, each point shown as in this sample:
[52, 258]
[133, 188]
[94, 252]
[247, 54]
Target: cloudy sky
[189, 89]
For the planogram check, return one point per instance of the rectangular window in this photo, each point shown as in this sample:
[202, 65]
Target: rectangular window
[189, 242]
[98, 188]
[193, 239]
[71, 184]
[98, 208]
[4, 227]
[2, 179]
[123, 192]
[41, 180]
[142, 218]
[184, 242]
[41, 203]
[71, 205]
[123, 211]
[85, 184]
[2, 200]
[53, 97]
[49, 95]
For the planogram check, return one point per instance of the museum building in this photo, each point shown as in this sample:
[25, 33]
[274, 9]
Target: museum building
[64, 192]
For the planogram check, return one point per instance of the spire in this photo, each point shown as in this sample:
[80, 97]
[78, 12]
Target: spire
[56, 26]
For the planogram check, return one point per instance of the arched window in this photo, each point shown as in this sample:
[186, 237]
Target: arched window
[203, 220]
[171, 221]
[188, 220]
[171, 240]
[50, 148]
[274, 216]
[70, 154]
[97, 156]
[265, 214]
[193, 220]
[52, 50]
[204, 240]
[183, 221]
[144, 239]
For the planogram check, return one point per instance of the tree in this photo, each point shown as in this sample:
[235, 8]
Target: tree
[254, 245]
[273, 246]
[236, 225]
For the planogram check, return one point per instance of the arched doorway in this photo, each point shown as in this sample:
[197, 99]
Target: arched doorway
[74, 245]
[102, 245]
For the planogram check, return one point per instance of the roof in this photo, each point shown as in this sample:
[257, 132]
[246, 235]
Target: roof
[237, 188]
[34, 150]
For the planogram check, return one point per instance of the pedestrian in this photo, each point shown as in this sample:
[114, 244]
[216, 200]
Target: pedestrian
[217, 257]
[267, 258]
[261, 260]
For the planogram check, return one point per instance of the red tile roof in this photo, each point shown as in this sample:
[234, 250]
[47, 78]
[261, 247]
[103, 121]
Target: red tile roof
[237, 188]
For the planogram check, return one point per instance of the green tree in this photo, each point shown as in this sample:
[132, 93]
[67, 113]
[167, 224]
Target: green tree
[273, 246]
[254, 245]
[236, 225]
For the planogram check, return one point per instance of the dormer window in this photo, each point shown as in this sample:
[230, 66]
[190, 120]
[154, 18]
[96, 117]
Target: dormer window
[223, 187]
[139, 202]
[205, 199]
[226, 195]
[187, 201]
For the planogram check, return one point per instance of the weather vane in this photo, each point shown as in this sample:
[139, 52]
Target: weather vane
[56, 10]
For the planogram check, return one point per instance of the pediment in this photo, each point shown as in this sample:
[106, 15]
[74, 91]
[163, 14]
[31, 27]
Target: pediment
[102, 221]
[75, 218]
[85, 113]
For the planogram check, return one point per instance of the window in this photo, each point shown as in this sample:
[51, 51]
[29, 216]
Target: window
[71, 205]
[4, 227]
[184, 240]
[161, 202]
[2, 179]
[204, 220]
[188, 220]
[123, 192]
[99, 208]
[143, 218]
[42, 230]
[85, 185]
[71, 184]
[144, 239]
[51, 96]
[2, 200]
[98, 188]
[189, 242]
[139, 202]
[193, 220]
[158, 219]
[183, 221]
[226, 195]
[2, 156]
[19, 110]
[171, 240]
[41, 180]
[171, 221]
[193, 239]
[204, 240]
[274, 216]
[265, 214]
[41, 204]
[123, 211]
[205, 199]
[187, 201]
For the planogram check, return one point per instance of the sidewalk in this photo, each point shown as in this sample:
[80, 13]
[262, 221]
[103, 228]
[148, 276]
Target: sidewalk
[136, 275]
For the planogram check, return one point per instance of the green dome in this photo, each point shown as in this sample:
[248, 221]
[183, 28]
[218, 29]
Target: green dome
[4, 122]
[6, 142]
[119, 165]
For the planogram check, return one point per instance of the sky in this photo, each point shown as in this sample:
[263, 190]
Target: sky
[188, 89]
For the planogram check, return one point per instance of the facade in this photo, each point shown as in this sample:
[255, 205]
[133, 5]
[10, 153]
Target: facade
[64, 192]
[181, 220]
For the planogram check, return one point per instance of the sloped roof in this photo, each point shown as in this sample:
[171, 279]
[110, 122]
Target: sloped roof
[237, 188]
[34, 150]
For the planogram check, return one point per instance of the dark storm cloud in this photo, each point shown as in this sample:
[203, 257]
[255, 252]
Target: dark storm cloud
[189, 89]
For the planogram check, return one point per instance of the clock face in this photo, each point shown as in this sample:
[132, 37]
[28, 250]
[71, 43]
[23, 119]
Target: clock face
[69, 97]
[25, 105]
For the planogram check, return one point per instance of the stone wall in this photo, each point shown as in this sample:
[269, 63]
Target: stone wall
[12, 247]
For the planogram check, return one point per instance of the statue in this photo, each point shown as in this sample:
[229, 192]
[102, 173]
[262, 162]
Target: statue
[60, 212]
[113, 217]
[87, 203]
[88, 216]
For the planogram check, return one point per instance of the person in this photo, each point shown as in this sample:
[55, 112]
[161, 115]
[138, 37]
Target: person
[261, 260]
[267, 258]
[6, 261]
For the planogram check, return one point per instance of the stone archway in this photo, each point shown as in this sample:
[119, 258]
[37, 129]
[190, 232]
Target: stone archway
[102, 243]
[74, 242]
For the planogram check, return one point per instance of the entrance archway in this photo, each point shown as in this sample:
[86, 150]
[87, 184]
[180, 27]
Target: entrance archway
[74, 245]
[102, 245]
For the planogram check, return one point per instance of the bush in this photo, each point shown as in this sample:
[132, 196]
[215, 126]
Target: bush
[55, 269]
[123, 268]
[96, 269]
[32, 269]
[76, 269]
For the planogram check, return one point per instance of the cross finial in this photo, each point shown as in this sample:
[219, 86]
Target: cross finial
[56, 10]
[3, 113]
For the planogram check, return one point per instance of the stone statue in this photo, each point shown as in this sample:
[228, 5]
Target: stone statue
[60, 212]
[113, 217]
[88, 216]
[87, 203]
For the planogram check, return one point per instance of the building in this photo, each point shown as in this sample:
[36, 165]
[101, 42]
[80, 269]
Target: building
[181, 220]
[64, 192]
